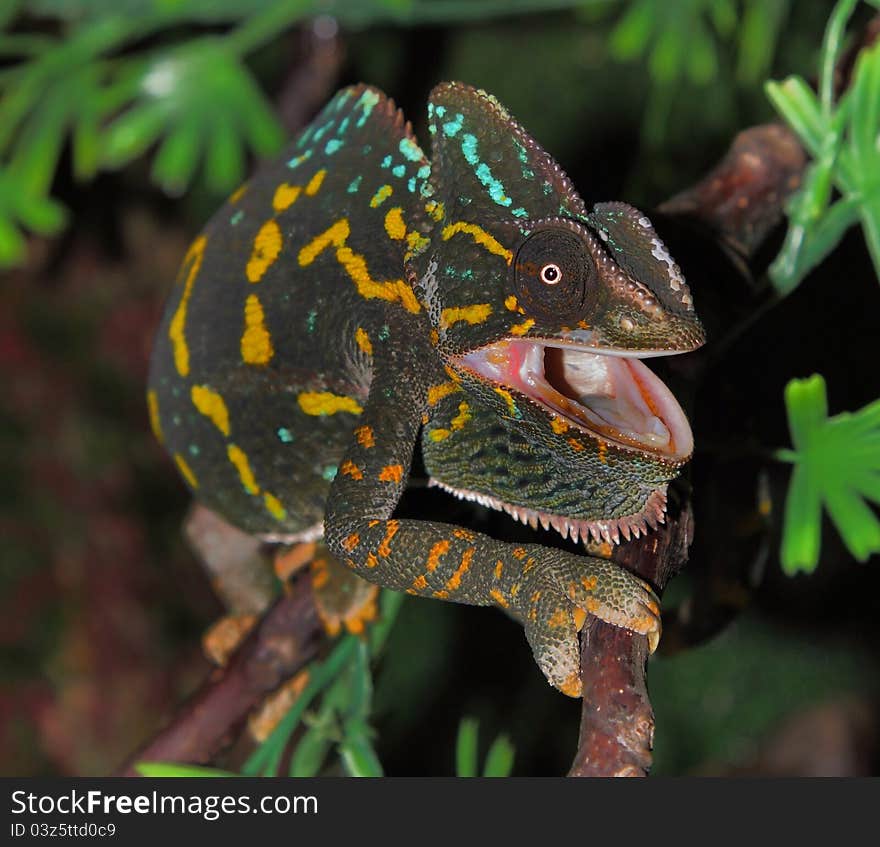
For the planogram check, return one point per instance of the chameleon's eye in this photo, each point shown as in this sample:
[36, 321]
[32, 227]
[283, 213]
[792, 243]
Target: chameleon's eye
[550, 274]
[553, 275]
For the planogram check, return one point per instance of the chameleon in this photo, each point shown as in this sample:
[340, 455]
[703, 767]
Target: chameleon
[355, 298]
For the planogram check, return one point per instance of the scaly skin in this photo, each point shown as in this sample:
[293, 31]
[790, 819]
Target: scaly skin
[349, 296]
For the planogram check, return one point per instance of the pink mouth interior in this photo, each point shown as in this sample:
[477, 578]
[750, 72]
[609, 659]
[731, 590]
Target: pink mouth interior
[611, 395]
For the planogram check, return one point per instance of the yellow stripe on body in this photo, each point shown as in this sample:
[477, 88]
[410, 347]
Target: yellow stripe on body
[325, 403]
[480, 236]
[177, 327]
[153, 409]
[476, 314]
[356, 267]
[256, 343]
[212, 406]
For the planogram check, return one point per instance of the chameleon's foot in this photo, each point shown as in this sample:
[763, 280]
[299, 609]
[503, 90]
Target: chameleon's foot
[341, 597]
[560, 599]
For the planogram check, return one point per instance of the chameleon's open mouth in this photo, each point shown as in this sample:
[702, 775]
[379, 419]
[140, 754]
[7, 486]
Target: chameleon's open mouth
[608, 393]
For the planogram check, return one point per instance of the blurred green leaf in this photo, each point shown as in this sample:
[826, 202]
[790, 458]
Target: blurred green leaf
[206, 104]
[466, 748]
[173, 769]
[837, 464]
[680, 38]
[684, 41]
[310, 753]
[21, 208]
[761, 22]
[499, 759]
[356, 750]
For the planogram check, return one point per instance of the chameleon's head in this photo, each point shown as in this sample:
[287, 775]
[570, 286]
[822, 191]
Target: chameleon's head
[543, 310]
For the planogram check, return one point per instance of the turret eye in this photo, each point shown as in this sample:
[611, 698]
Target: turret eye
[551, 275]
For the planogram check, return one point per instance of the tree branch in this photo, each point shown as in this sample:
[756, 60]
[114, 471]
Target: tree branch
[617, 722]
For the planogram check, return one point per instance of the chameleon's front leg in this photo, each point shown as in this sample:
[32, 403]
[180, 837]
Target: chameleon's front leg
[550, 591]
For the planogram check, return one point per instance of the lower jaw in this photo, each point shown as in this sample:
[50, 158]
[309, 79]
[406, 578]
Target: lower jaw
[611, 531]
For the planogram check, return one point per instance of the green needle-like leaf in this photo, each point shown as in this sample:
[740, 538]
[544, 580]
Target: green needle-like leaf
[205, 103]
[163, 769]
[178, 157]
[132, 133]
[499, 759]
[466, 748]
[837, 464]
[224, 159]
[842, 137]
[357, 753]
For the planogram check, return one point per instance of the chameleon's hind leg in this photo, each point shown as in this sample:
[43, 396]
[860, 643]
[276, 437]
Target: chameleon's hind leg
[239, 571]
[240, 574]
[342, 598]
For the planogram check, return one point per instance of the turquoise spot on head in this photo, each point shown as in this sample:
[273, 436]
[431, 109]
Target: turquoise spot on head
[424, 172]
[520, 212]
[384, 332]
[482, 170]
[310, 320]
[343, 126]
[386, 162]
[329, 472]
[411, 184]
[236, 218]
[469, 149]
[367, 102]
[355, 184]
[284, 435]
[441, 111]
[410, 150]
[452, 127]
[332, 146]
[194, 450]
[399, 170]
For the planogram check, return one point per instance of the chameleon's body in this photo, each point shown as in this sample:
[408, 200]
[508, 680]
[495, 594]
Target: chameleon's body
[352, 294]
